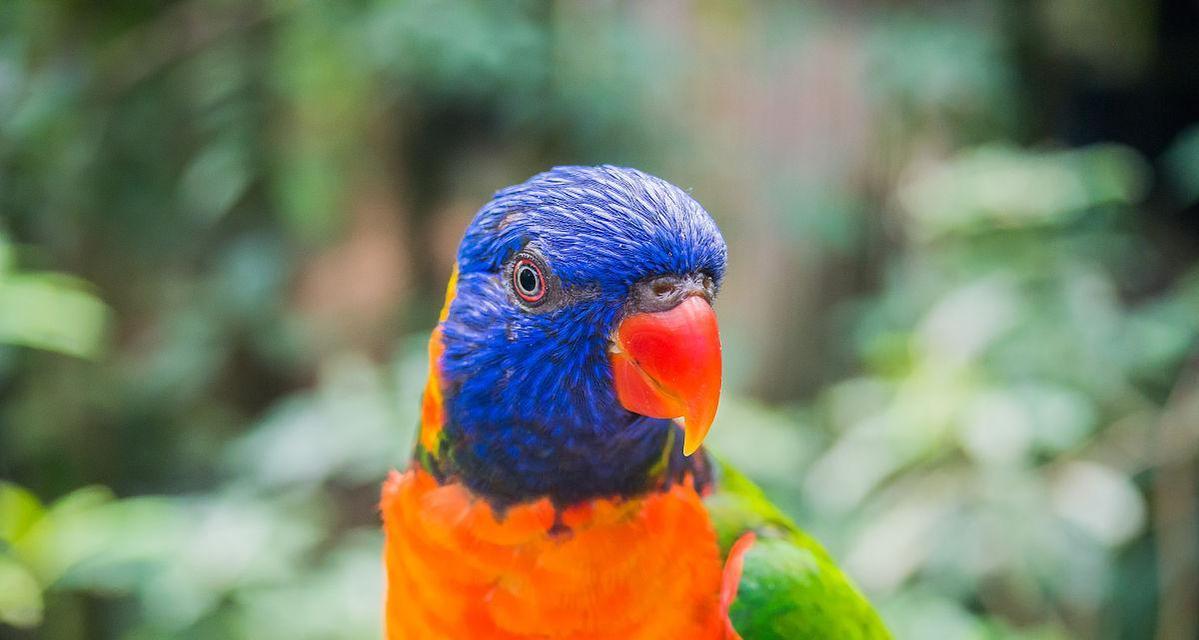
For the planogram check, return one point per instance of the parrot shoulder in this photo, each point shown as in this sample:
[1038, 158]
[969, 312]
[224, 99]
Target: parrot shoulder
[788, 586]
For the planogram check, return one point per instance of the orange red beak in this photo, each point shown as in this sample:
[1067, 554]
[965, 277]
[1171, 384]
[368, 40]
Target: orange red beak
[666, 364]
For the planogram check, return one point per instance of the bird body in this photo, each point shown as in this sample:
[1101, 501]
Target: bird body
[644, 568]
[558, 488]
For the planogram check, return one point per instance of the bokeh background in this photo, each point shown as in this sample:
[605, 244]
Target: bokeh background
[960, 317]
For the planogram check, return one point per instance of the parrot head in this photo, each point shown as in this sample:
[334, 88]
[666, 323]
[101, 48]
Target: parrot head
[580, 328]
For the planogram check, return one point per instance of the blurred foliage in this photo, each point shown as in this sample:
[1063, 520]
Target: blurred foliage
[48, 310]
[959, 321]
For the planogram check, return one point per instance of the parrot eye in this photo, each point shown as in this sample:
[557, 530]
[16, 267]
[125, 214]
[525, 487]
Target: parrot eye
[528, 280]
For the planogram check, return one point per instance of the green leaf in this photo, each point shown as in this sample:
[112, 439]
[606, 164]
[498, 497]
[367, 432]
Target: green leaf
[215, 180]
[66, 535]
[1182, 164]
[51, 312]
[19, 509]
[20, 595]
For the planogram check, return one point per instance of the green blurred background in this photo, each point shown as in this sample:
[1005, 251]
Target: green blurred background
[959, 320]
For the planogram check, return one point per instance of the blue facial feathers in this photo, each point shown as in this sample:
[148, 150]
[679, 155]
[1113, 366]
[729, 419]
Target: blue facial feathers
[530, 404]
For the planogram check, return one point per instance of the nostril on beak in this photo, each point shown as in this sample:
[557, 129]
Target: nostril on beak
[664, 293]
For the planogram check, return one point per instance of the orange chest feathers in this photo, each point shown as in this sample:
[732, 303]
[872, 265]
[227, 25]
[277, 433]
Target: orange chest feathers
[645, 568]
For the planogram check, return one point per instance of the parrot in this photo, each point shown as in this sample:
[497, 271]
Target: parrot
[558, 486]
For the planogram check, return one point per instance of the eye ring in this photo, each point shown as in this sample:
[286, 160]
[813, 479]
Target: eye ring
[528, 281]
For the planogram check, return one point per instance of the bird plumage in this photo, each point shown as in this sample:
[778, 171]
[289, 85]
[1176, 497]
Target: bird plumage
[549, 495]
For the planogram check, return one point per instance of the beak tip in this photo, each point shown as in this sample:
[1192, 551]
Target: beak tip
[694, 433]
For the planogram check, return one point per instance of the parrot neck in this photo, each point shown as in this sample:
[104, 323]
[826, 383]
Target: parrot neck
[517, 463]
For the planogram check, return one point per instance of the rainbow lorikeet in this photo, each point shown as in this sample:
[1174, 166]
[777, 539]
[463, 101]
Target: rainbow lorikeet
[558, 488]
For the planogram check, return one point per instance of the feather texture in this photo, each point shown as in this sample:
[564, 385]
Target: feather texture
[645, 568]
[530, 406]
[537, 506]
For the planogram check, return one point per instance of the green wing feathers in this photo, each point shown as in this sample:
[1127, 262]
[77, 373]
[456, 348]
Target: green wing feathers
[790, 587]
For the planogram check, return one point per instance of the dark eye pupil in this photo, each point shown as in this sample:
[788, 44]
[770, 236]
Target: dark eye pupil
[527, 279]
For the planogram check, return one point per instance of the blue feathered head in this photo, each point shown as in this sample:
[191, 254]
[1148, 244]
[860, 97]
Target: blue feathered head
[552, 275]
